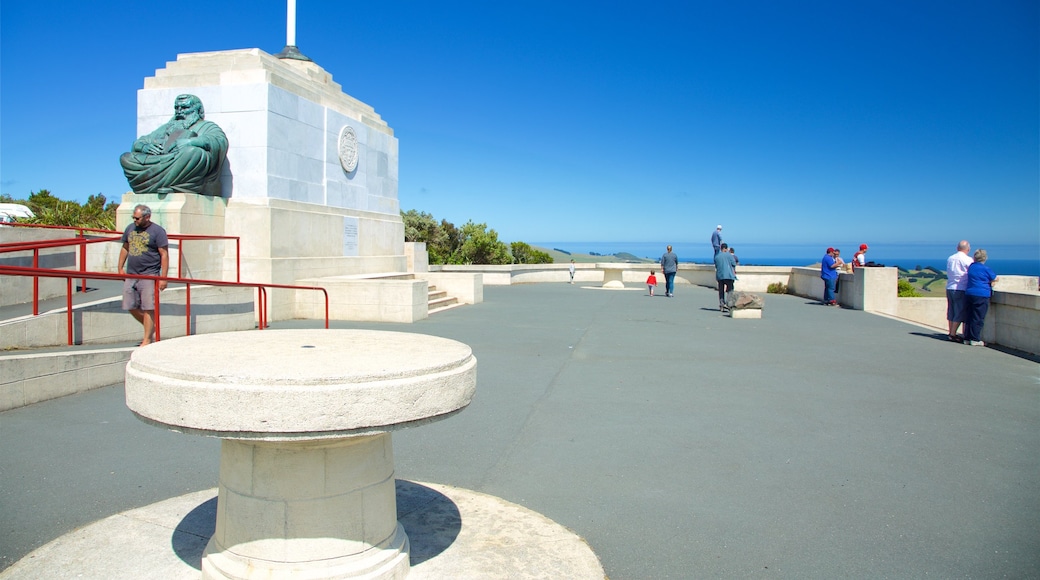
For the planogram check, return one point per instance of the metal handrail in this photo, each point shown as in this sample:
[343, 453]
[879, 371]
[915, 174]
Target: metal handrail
[35, 248]
[83, 253]
[261, 288]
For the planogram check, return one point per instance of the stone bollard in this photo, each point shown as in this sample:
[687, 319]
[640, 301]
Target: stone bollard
[306, 469]
[744, 305]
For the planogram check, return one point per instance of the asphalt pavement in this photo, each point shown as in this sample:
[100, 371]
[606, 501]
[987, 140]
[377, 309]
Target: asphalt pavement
[815, 442]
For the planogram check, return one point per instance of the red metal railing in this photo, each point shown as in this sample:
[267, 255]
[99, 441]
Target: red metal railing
[81, 241]
[70, 275]
[81, 234]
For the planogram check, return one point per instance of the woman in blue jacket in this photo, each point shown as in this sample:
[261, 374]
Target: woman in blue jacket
[980, 287]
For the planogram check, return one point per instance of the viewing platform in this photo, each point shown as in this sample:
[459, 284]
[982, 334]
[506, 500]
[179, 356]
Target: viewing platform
[814, 442]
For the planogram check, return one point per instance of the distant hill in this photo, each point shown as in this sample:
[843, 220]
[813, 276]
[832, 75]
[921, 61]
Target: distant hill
[563, 257]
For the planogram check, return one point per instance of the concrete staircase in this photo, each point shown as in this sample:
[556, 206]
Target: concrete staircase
[439, 301]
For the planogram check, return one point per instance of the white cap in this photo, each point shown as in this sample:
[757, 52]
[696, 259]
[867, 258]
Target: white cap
[718, 227]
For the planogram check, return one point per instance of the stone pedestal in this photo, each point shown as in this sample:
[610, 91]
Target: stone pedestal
[306, 471]
[187, 213]
[612, 275]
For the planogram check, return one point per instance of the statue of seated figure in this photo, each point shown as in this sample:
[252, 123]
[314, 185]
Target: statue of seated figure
[185, 155]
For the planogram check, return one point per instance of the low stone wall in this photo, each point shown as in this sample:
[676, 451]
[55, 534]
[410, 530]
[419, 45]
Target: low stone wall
[31, 378]
[364, 298]
[1013, 320]
[750, 278]
[927, 311]
[806, 282]
[19, 289]
[464, 287]
[213, 309]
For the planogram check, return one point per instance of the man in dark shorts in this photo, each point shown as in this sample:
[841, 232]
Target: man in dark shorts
[145, 251]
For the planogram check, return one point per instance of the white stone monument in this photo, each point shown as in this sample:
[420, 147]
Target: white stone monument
[310, 182]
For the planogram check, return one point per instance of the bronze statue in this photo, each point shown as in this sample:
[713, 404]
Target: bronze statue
[185, 155]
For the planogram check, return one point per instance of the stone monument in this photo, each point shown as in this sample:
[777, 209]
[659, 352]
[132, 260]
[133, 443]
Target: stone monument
[309, 182]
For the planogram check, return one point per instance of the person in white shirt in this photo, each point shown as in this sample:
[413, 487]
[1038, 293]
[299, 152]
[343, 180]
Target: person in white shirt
[956, 282]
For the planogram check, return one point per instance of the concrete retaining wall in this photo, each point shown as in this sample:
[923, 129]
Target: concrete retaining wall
[364, 299]
[213, 309]
[464, 287]
[31, 378]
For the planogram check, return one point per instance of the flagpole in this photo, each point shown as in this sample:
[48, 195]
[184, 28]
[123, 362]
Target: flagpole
[290, 50]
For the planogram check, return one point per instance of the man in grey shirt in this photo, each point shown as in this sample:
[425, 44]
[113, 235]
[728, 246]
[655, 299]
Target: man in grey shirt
[669, 265]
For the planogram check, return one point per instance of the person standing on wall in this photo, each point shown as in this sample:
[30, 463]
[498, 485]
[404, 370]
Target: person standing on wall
[669, 266]
[956, 282]
[716, 239]
[145, 251]
[725, 264]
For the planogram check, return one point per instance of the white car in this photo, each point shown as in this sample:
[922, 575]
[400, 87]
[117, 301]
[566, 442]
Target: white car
[10, 211]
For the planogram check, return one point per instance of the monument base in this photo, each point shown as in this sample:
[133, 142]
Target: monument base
[449, 531]
[388, 563]
[186, 213]
[746, 313]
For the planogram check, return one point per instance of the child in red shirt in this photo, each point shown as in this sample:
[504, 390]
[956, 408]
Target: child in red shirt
[651, 282]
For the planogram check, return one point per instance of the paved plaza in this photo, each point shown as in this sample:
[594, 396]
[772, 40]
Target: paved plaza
[815, 442]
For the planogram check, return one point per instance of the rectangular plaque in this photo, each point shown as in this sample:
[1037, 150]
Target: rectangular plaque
[350, 236]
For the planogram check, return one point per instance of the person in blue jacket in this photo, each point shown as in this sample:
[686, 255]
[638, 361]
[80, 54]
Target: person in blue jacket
[829, 272]
[980, 288]
[725, 264]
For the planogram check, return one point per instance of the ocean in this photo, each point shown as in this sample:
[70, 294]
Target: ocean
[1007, 259]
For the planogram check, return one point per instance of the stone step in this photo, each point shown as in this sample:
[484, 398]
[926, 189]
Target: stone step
[433, 311]
[442, 303]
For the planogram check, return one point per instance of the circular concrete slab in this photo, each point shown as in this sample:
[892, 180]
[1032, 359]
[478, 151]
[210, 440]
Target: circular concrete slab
[454, 533]
[299, 384]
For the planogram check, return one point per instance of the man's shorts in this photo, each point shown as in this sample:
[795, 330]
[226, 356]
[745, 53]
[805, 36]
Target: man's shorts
[956, 306]
[138, 294]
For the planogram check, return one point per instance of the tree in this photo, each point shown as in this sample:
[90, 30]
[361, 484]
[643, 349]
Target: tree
[480, 246]
[523, 253]
[52, 211]
[471, 244]
[442, 239]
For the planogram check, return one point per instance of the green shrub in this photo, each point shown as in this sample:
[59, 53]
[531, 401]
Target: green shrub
[907, 290]
[777, 288]
[52, 211]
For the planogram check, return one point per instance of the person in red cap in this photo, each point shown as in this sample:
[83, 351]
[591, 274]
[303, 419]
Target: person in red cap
[829, 273]
[859, 259]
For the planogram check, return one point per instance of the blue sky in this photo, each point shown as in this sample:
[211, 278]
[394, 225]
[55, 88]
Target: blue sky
[788, 122]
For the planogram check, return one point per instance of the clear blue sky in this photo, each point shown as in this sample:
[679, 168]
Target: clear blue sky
[788, 122]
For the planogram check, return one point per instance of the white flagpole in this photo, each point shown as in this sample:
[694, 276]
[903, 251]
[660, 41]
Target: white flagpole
[290, 25]
[290, 50]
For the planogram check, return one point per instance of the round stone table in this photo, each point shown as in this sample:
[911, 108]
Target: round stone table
[612, 275]
[306, 467]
